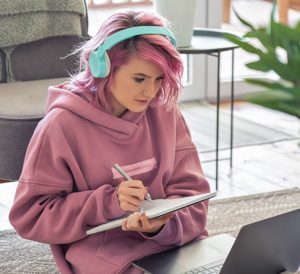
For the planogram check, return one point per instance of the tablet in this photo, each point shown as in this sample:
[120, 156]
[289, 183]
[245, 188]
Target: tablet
[156, 208]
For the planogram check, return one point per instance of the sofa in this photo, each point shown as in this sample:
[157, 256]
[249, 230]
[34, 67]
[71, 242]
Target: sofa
[36, 39]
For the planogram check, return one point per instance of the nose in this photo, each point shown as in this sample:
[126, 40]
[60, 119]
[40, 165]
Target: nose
[150, 91]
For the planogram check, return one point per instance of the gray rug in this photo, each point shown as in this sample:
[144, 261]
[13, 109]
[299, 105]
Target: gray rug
[230, 214]
[19, 256]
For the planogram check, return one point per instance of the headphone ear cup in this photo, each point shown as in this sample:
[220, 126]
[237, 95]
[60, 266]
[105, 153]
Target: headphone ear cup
[105, 65]
[94, 64]
[99, 65]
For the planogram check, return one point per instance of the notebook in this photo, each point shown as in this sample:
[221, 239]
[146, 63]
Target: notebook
[156, 208]
[271, 246]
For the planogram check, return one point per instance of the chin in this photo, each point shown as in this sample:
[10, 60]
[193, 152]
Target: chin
[137, 110]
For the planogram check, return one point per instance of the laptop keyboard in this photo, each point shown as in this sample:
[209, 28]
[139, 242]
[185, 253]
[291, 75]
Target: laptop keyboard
[213, 268]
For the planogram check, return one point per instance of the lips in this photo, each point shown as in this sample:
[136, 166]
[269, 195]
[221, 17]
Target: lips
[142, 101]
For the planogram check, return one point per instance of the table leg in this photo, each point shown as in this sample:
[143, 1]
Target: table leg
[217, 121]
[231, 109]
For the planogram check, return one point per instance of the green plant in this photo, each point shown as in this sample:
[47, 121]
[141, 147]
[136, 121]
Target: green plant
[278, 51]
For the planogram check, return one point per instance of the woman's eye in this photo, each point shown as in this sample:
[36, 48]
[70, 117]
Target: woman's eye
[160, 78]
[139, 80]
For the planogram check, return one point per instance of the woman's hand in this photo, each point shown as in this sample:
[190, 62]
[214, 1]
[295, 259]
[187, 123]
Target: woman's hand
[140, 222]
[131, 194]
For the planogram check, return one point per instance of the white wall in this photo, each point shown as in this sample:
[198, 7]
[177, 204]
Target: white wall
[204, 68]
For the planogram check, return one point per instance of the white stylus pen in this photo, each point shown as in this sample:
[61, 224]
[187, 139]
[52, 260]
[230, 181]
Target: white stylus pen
[127, 177]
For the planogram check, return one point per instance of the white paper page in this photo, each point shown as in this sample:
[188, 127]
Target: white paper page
[159, 207]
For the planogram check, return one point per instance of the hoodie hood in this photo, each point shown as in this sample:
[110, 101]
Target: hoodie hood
[86, 105]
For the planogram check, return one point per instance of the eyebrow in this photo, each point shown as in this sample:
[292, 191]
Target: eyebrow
[145, 75]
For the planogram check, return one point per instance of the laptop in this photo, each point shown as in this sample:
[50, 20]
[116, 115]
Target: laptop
[270, 246]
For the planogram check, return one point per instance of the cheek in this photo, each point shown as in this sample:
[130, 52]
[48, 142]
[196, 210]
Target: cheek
[158, 86]
[130, 86]
[122, 90]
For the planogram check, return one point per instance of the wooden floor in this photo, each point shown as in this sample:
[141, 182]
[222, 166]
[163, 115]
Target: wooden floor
[259, 168]
[256, 167]
[267, 160]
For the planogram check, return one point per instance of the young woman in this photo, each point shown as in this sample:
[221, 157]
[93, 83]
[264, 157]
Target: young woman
[120, 108]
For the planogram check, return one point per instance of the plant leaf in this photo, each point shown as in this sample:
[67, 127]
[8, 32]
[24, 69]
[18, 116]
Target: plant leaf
[243, 21]
[290, 107]
[293, 60]
[277, 66]
[276, 86]
[241, 43]
[297, 27]
[276, 41]
[259, 65]
[266, 83]
[275, 100]
[262, 36]
[269, 96]
[281, 33]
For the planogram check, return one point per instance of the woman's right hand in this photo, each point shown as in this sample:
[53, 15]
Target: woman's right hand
[131, 194]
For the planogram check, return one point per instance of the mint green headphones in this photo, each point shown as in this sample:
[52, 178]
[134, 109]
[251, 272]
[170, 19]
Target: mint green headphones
[99, 60]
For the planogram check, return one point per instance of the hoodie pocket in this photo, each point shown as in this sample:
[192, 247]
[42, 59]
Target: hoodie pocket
[136, 168]
[120, 248]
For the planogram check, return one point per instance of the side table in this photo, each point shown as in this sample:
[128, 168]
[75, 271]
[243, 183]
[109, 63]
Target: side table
[212, 42]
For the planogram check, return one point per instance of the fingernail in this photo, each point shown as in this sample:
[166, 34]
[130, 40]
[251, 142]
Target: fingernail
[148, 197]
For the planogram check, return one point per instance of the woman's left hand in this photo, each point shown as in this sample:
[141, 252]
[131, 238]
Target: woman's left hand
[140, 222]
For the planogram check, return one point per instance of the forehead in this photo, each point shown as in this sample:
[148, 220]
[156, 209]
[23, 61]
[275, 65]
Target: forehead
[139, 65]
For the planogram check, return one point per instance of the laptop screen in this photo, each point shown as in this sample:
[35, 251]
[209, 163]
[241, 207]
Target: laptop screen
[270, 246]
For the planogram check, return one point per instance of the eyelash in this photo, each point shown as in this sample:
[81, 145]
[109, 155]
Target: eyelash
[140, 80]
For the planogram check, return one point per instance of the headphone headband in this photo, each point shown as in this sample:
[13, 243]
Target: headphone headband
[99, 61]
[135, 31]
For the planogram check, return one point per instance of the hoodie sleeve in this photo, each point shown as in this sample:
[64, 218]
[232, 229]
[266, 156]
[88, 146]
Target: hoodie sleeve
[187, 179]
[46, 207]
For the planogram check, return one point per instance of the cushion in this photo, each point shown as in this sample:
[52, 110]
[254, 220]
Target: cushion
[43, 59]
[22, 100]
[22, 106]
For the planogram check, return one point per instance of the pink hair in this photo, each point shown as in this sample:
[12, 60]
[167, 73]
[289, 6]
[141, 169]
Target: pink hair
[154, 48]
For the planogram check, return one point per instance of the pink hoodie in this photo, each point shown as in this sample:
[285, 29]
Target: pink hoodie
[68, 185]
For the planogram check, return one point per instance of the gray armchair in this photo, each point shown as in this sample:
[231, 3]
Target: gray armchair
[29, 64]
